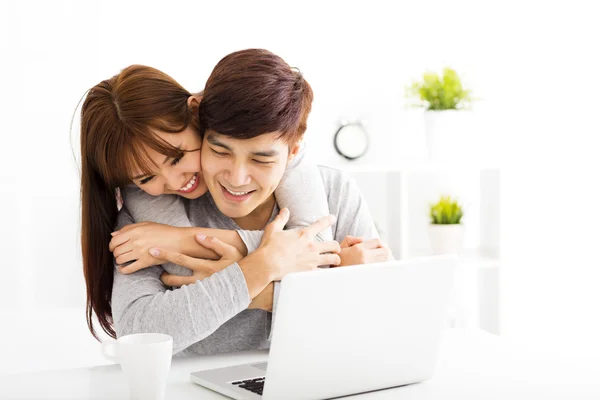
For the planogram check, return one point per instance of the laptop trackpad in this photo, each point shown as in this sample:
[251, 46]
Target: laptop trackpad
[261, 366]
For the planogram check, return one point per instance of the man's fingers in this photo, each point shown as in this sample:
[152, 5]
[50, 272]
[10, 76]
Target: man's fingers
[278, 223]
[320, 225]
[176, 280]
[173, 257]
[116, 241]
[372, 244]
[122, 249]
[328, 247]
[195, 264]
[124, 258]
[131, 268]
[329, 259]
[127, 228]
[222, 249]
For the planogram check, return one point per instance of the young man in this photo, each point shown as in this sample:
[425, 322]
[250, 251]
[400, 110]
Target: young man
[252, 118]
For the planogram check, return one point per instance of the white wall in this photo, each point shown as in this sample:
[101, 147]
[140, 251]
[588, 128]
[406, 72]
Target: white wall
[533, 64]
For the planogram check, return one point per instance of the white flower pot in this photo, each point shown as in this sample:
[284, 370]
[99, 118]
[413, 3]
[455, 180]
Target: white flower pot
[447, 134]
[446, 239]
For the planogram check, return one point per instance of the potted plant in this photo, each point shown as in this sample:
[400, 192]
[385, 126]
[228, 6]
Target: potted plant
[444, 99]
[446, 231]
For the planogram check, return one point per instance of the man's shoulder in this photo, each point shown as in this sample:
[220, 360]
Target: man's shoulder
[333, 176]
[335, 181]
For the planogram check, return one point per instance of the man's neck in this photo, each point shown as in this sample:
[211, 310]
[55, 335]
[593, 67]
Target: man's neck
[259, 218]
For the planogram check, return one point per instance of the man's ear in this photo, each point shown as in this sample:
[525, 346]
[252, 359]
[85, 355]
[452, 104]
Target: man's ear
[194, 100]
[294, 149]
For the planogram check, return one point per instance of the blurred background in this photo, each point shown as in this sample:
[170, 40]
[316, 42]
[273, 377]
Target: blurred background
[522, 162]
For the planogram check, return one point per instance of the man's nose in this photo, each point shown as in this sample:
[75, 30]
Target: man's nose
[238, 176]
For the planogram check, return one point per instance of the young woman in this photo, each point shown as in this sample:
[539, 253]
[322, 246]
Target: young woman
[140, 130]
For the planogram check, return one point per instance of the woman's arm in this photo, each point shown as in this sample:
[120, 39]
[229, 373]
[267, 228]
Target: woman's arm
[301, 190]
[162, 221]
[141, 303]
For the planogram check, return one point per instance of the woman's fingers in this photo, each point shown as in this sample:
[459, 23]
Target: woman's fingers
[328, 247]
[381, 254]
[320, 225]
[224, 250]
[352, 240]
[372, 244]
[176, 280]
[329, 259]
[278, 223]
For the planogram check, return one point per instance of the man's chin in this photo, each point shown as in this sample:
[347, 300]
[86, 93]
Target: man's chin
[233, 211]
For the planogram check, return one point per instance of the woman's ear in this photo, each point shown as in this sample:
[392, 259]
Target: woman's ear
[194, 100]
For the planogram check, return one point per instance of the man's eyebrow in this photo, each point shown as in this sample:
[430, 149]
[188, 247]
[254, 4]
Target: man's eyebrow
[266, 153]
[214, 141]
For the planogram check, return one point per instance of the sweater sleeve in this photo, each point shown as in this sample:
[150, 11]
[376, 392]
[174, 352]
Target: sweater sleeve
[166, 209]
[301, 190]
[141, 303]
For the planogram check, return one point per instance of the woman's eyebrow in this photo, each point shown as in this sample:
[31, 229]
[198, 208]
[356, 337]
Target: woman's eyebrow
[139, 176]
[167, 158]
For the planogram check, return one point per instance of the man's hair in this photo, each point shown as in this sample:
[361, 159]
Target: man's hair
[253, 92]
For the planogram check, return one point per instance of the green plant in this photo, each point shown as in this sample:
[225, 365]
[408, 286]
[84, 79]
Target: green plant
[445, 212]
[440, 93]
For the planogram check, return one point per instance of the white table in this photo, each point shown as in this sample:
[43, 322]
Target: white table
[472, 365]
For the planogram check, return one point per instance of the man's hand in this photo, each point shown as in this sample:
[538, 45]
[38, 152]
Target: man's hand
[264, 300]
[132, 242]
[356, 250]
[295, 250]
[201, 268]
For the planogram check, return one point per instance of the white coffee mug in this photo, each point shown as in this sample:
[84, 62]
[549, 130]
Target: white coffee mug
[145, 359]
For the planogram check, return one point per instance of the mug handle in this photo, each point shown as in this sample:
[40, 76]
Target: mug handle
[109, 350]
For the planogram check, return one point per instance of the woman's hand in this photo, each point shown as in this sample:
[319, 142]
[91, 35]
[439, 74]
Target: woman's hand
[356, 250]
[132, 243]
[201, 268]
[284, 252]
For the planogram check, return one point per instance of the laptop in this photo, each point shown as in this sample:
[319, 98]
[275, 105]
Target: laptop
[347, 330]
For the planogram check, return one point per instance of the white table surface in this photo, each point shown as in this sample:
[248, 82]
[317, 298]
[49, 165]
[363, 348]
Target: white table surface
[471, 365]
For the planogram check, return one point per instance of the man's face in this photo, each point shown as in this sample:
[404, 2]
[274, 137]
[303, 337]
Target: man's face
[241, 174]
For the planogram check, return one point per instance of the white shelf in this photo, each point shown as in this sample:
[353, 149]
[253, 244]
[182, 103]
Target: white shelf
[398, 197]
[467, 258]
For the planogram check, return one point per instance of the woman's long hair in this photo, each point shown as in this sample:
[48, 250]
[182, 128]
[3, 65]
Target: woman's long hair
[118, 117]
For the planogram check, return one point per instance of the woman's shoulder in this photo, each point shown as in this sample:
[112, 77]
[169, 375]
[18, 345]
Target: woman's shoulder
[145, 207]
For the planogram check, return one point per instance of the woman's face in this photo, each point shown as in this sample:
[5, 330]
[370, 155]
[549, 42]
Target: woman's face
[181, 176]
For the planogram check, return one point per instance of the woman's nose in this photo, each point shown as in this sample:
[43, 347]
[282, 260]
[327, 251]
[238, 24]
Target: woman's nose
[175, 181]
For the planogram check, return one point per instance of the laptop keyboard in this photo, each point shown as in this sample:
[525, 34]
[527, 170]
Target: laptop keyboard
[255, 385]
